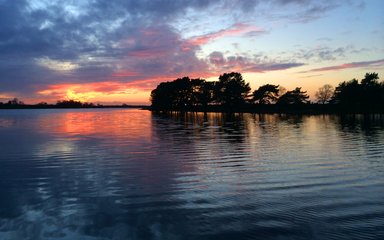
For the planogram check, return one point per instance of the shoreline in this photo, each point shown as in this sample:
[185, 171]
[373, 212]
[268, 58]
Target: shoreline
[313, 109]
[4, 107]
[278, 109]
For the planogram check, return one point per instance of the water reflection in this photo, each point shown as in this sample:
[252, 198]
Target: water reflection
[131, 174]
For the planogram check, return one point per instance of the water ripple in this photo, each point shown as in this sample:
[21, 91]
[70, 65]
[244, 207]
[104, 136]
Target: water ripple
[131, 174]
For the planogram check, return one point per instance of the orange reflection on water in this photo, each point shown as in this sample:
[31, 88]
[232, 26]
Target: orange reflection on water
[99, 123]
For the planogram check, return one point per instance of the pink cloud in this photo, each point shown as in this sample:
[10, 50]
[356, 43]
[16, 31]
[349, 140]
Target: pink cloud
[237, 29]
[376, 63]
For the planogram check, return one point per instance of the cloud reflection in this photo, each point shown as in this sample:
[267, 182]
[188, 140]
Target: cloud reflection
[131, 174]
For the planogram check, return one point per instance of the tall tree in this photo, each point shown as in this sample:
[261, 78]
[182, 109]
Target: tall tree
[370, 79]
[181, 94]
[347, 93]
[231, 89]
[295, 96]
[162, 96]
[372, 92]
[203, 92]
[324, 94]
[266, 94]
[366, 96]
[15, 101]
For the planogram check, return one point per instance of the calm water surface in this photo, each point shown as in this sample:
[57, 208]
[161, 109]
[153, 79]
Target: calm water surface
[130, 174]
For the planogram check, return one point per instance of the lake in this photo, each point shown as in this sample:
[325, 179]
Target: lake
[132, 174]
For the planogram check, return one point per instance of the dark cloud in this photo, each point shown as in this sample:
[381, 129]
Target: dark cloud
[323, 53]
[260, 64]
[295, 11]
[28, 35]
[45, 43]
[217, 58]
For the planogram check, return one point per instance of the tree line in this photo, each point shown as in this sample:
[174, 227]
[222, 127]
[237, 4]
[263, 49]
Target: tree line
[16, 103]
[232, 93]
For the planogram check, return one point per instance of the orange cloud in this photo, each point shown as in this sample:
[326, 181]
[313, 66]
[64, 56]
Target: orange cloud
[109, 91]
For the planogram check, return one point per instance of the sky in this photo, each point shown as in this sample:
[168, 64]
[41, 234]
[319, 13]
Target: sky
[117, 51]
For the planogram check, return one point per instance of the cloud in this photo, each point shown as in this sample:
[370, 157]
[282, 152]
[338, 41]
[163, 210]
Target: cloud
[322, 53]
[220, 63]
[85, 43]
[304, 11]
[237, 29]
[315, 11]
[61, 66]
[364, 64]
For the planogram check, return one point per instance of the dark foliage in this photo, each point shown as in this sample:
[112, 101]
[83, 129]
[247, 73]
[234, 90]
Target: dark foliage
[366, 96]
[15, 101]
[185, 93]
[69, 104]
[73, 104]
[295, 96]
[231, 90]
[230, 93]
[266, 94]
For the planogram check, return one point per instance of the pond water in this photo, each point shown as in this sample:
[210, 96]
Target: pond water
[132, 174]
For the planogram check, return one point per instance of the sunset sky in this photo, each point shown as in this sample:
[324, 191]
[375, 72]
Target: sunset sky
[117, 51]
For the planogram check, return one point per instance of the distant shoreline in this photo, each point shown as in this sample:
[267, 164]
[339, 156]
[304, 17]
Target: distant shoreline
[255, 108]
[6, 106]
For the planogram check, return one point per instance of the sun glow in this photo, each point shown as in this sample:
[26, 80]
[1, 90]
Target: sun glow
[82, 97]
[101, 92]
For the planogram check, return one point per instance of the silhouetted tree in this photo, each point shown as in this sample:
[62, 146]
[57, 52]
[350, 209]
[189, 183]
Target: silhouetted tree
[15, 101]
[266, 94]
[202, 92]
[324, 94]
[231, 90]
[88, 105]
[69, 104]
[370, 79]
[182, 93]
[295, 96]
[372, 91]
[366, 96]
[162, 96]
[347, 92]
